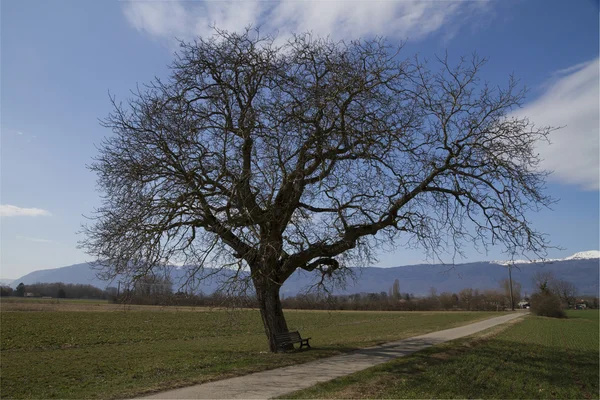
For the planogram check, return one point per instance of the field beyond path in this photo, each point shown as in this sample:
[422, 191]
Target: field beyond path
[277, 382]
[94, 350]
[536, 358]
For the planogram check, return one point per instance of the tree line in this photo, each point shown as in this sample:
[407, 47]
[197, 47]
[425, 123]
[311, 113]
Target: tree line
[550, 292]
[55, 289]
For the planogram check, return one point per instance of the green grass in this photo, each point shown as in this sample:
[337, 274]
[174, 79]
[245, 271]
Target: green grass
[534, 358]
[593, 315]
[112, 354]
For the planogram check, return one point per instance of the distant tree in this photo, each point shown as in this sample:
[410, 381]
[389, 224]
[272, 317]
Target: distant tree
[20, 291]
[396, 290]
[516, 291]
[61, 293]
[565, 290]
[73, 290]
[312, 154]
[492, 300]
[448, 300]
[6, 291]
[466, 298]
[542, 280]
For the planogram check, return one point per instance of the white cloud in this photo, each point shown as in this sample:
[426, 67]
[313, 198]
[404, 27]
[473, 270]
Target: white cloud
[339, 19]
[6, 210]
[571, 101]
[33, 239]
[571, 69]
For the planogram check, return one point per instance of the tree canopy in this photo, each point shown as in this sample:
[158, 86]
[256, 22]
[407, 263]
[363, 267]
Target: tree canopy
[310, 154]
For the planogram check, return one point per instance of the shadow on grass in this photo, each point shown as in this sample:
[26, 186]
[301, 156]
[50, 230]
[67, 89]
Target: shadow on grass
[583, 314]
[497, 368]
[378, 353]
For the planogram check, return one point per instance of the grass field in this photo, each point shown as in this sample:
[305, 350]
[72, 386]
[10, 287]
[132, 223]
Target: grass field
[50, 300]
[95, 350]
[530, 359]
[38, 304]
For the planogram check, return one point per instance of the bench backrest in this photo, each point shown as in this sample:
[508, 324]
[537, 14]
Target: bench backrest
[288, 337]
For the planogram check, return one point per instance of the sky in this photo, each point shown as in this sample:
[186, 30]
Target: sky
[60, 59]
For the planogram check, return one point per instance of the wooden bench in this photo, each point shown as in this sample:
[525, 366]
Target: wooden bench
[287, 338]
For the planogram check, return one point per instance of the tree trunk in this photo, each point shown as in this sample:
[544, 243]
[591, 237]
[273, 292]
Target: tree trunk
[271, 311]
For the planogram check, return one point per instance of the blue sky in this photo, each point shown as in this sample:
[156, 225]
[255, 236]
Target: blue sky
[59, 59]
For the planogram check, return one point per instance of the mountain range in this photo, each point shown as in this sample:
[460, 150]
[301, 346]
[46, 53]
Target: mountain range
[581, 269]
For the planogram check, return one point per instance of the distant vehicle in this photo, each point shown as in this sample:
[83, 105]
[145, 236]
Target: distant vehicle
[524, 305]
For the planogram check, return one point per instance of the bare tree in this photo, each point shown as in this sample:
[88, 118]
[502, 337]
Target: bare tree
[259, 157]
[448, 300]
[565, 290]
[466, 298]
[396, 289]
[543, 281]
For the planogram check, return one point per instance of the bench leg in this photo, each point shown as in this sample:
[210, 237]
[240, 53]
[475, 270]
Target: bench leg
[304, 343]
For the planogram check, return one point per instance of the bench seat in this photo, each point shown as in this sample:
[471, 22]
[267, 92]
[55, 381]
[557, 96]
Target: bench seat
[284, 339]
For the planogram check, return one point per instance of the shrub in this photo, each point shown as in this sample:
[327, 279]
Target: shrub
[547, 305]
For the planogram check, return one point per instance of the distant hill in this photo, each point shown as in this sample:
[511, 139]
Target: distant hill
[416, 279]
[6, 282]
[86, 275]
[78, 273]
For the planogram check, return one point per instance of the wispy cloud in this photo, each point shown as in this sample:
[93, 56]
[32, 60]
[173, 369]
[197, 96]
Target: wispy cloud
[33, 239]
[571, 101]
[7, 210]
[339, 19]
[571, 69]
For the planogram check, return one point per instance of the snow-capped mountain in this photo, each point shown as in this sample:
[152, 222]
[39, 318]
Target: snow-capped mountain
[582, 255]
